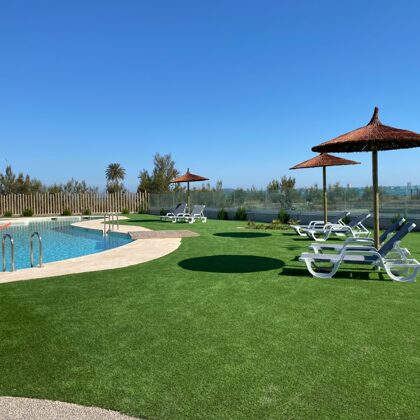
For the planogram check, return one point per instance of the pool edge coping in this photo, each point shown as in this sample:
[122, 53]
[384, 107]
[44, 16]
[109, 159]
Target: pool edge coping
[133, 253]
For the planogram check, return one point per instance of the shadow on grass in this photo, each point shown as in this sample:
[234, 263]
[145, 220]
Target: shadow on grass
[242, 234]
[357, 274]
[231, 264]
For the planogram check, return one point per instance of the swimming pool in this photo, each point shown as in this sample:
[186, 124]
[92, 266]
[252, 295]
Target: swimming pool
[60, 241]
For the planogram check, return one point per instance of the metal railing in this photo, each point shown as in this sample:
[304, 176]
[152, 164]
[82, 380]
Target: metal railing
[32, 248]
[12, 251]
[110, 218]
[393, 200]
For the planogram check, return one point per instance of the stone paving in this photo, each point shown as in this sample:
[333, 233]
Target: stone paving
[135, 252]
[14, 408]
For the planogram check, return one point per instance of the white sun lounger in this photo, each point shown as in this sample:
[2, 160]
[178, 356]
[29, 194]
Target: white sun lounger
[354, 228]
[320, 224]
[197, 213]
[401, 269]
[178, 210]
[318, 247]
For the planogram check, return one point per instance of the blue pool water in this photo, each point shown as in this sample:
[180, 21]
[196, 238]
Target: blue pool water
[60, 241]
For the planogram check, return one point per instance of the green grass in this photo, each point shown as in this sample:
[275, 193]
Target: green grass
[228, 326]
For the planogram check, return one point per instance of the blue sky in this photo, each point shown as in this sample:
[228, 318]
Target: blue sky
[235, 90]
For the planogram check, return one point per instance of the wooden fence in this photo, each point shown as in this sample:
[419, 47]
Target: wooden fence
[56, 204]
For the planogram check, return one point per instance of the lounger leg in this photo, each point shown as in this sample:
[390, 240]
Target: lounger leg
[407, 278]
[321, 275]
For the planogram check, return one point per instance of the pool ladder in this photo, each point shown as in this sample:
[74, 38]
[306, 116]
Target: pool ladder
[110, 218]
[32, 249]
[12, 250]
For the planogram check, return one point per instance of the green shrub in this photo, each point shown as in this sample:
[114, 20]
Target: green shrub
[396, 218]
[222, 214]
[7, 213]
[66, 212]
[142, 211]
[86, 212]
[27, 213]
[283, 217]
[240, 213]
[274, 225]
[125, 210]
[163, 212]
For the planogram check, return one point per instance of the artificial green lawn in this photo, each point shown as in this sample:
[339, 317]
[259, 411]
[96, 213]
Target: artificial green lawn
[228, 326]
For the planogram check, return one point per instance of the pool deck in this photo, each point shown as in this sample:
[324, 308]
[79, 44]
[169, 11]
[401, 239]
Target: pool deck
[136, 252]
[15, 408]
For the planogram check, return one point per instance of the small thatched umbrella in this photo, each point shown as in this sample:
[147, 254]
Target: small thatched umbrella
[371, 138]
[188, 177]
[322, 161]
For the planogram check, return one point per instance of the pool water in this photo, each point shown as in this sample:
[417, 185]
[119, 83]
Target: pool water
[60, 241]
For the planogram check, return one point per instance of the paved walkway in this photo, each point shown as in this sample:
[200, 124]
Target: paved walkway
[13, 408]
[135, 252]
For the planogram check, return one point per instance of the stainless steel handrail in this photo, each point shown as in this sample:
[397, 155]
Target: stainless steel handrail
[12, 251]
[32, 249]
[110, 217]
[105, 217]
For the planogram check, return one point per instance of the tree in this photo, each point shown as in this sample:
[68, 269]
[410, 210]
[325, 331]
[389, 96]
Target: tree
[20, 184]
[145, 181]
[218, 186]
[159, 181]
[72, 186]
[273, 186]
[205, 187]
[115, 174]
[287, 185]
[164, 172]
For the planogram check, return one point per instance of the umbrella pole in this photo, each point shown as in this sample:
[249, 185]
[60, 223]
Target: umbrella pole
[324, 184]
[375, 197]
[188, 197]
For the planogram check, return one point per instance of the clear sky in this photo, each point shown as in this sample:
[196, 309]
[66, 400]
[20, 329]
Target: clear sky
[235, 90]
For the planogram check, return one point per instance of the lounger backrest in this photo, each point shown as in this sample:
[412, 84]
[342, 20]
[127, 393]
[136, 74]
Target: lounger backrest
[180, 208]
[389, 245]
[336, 219]
[197, 209]
[392, 228]
[358, 220]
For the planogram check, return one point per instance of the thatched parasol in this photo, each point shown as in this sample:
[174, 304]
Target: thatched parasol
[322, 161]
[188, 177]
[371, 138]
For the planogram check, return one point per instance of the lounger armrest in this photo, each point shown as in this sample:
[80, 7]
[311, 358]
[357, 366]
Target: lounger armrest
[315, 222]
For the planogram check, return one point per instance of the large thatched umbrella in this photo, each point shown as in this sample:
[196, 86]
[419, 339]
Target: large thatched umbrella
[322, 161]
[373, 137]
[189, 177]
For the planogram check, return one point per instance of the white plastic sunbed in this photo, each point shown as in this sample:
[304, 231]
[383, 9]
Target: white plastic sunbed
[401, 268]
[354, 228]
[178, 210]
[197, 213]
[318, 247]
[320, 224]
